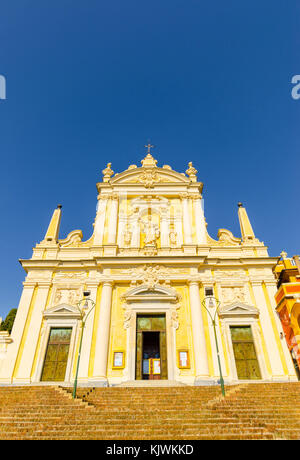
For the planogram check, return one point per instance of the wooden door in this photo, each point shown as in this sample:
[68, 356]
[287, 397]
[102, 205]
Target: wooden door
[163, 355]
[247, 366]
[57, 353]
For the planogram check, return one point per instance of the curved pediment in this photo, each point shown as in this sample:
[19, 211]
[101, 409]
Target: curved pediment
[149, 176]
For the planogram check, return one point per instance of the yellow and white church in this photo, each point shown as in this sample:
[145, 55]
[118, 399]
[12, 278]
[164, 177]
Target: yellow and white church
[132, 298]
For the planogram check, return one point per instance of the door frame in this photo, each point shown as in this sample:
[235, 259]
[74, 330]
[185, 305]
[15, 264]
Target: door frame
[61, 316]
[159, 342]
[158, 300]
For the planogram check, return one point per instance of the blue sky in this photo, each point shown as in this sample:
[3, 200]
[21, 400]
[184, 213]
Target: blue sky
[89, 82]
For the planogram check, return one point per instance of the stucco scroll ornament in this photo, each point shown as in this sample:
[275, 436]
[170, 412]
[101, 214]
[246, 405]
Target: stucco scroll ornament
[127, 318]
[226, 238]
[149, 275]
[73, 239]
[148, 178]
[174, 318]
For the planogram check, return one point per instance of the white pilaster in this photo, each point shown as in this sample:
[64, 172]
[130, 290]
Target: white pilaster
[135, 239]
[187, 228]
[178, 228]
[100, 221]
[113, 221]
[164, 229]
[200, 222]
[200, 351]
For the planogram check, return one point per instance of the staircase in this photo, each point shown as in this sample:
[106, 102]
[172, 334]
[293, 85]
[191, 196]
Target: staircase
[249, 411]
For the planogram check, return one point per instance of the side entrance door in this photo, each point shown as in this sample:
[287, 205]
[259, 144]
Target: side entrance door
[57, 353]
[247, 366]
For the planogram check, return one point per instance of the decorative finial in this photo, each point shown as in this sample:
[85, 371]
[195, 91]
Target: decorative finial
[107, 173]
[191, 172]
[240, 205]
[283, 254]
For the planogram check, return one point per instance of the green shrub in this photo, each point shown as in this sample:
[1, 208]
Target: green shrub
[7, 324]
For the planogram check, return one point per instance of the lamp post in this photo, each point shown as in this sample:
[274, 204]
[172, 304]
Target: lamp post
[213, 310]
[86, 299]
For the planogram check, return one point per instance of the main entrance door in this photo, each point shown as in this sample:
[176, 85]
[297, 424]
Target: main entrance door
[57, 355]
[151, 348]
[244, 353]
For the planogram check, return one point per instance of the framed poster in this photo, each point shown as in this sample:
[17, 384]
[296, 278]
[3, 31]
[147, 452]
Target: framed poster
[183, 359]
[156, 366]
[119, 360]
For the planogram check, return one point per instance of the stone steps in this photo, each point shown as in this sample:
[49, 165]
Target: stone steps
[256, 411]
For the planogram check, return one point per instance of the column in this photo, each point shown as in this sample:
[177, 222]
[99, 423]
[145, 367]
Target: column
[31, 335]
[100, 221]
[200, 351]
[103, 330]
[187, 228]
[113, 220]
[200, 222]
[27, 298]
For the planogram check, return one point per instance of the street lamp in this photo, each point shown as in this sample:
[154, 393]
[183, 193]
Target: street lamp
[211, 305]
[86, 301]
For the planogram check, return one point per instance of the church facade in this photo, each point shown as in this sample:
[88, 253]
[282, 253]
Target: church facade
[134, 299]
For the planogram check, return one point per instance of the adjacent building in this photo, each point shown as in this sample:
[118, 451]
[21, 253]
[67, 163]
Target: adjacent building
[287, 272]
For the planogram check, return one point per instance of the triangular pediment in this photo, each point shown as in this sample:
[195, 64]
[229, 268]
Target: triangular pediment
[62, 311]
[238, 309]
[146, 292]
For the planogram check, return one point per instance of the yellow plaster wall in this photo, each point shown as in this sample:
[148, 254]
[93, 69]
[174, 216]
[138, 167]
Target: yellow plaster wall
[266, 356]
[276, 333]
[184, 335]
[206, 332]
[118, 334]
